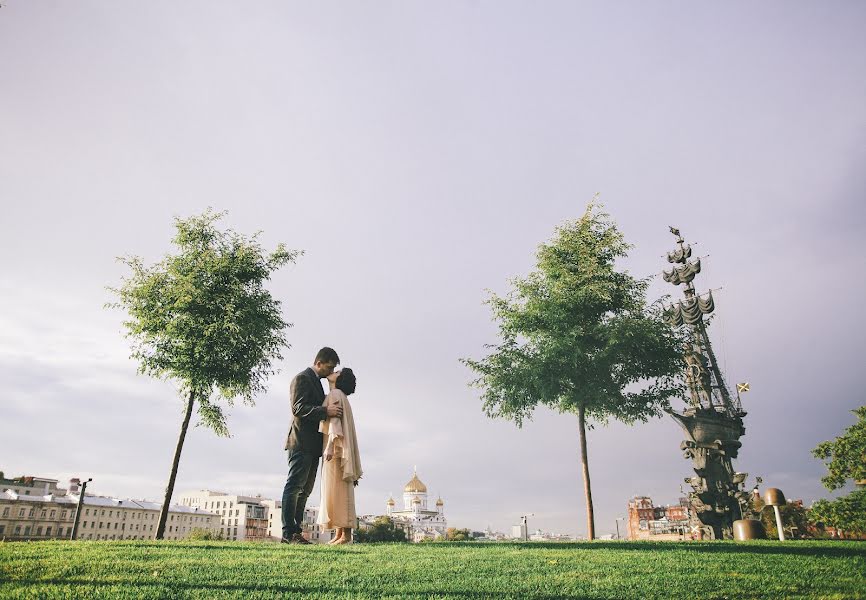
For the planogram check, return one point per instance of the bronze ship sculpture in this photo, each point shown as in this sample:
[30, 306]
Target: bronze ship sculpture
[713, 419]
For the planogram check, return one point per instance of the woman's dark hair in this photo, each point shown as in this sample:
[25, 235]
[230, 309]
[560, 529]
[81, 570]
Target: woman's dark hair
[346, 381]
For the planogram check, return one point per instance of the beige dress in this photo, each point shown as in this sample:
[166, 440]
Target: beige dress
[340, 473]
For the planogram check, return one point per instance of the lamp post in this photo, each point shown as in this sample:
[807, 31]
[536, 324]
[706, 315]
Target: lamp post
[775, 498]
[524, 518]
[78, 508]
[616, 521]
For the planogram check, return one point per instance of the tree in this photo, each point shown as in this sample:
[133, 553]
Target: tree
[452, 534]
[202, 318]
[846, 455]
[846, 514]
[577, 336]
[382, 530]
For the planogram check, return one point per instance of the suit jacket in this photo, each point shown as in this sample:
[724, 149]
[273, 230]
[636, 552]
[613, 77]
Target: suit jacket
[307, 397]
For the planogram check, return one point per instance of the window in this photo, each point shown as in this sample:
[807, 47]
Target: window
[30, 514]
[84, 524]
[42, 514]
[48, 530]
[115, 525]
[109, 514]
[92, 524]
[103, 513]
[63, 515]
[21, 512]
[39, 530]
[53, 513]
[18, 530]
[6, 512]
[87, 511]
[100, 524]
[27, 530]
[60, 532]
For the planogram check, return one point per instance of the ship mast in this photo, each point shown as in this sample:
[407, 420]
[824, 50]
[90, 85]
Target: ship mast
[706, 384]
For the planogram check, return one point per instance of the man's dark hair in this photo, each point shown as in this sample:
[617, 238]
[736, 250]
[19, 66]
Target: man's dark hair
[327, 355]
[346, 381]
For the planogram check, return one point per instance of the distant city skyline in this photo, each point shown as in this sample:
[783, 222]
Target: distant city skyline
[418, 153]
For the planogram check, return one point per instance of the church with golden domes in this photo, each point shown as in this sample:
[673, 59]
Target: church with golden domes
[422, 521]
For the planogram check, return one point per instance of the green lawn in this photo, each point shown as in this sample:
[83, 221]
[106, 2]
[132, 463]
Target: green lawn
[701, 570]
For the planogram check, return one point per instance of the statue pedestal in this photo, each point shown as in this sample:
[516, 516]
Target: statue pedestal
[748, 529]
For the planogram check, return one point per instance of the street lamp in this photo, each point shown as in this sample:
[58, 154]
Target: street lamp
[78, 509]
[618, 519]
[525, 526]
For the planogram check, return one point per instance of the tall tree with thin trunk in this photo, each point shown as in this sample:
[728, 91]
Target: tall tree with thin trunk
[578, 336]
[203, 318]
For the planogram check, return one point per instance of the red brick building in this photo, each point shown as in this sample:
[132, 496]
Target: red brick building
[649, 522]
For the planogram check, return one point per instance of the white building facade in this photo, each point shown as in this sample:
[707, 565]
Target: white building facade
[422, 521]
[240, 517]
[31, 517]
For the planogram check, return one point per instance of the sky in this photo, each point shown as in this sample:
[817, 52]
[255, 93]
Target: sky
[418, 153]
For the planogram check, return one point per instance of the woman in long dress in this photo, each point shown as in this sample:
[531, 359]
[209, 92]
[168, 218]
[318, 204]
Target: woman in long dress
[341, 468]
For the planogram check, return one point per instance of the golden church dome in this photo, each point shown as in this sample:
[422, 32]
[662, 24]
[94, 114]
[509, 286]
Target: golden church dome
[416, 501]
[391, 502]
[439, 502]
[415, 485]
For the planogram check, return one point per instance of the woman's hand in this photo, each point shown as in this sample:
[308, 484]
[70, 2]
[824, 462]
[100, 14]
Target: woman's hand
[355, 483]
[330, 456]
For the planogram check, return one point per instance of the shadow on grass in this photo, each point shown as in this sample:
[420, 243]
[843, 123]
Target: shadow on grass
[726, 547]
[278, 590]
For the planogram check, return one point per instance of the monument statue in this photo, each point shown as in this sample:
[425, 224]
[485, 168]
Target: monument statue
[713, 419]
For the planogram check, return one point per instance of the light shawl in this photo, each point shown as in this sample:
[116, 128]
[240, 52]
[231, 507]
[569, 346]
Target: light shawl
[341, 431]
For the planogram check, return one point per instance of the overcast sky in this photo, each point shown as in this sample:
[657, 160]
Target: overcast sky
[418, 153]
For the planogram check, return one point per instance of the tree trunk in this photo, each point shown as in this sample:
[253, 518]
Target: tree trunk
[169, 489]
[587, 489]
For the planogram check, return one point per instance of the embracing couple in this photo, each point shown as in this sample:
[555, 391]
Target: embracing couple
[322, 426]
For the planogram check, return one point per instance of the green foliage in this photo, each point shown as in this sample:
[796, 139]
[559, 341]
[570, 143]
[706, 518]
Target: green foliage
[578, 331]
[202, 316]
[453, 534]
[203, 535]
[382, 530]
[846, 455]
[603, 570]
[847, 513]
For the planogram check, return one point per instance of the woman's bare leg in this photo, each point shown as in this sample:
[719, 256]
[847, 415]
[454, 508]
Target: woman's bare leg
[338, 535]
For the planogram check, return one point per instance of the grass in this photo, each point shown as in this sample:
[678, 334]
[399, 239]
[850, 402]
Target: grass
[704, 570]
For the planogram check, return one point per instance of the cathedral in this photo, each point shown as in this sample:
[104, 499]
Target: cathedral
[420, 521]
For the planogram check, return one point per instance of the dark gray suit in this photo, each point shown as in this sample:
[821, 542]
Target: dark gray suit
[307, 397]
[304, 446]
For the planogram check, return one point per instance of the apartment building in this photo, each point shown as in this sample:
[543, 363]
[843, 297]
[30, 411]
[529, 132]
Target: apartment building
[647, 521]
[239, 517]
[252, 517]
[30, 517]
[29, 485]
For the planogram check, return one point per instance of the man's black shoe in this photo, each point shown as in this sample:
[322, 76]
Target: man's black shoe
[297, 538]
[285, 540]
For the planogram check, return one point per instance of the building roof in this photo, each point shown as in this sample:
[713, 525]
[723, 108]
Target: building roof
[107, 502]
[415, 485]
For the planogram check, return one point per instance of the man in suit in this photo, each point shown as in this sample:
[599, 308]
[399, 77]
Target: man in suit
[304, 443]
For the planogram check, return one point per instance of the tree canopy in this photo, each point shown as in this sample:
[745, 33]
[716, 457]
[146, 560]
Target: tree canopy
[202, 316]
[846, 455]
[577, 335]
[847, 514]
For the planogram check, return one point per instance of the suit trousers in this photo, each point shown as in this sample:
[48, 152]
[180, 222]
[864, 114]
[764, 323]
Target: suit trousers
[299, 486]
